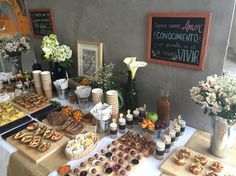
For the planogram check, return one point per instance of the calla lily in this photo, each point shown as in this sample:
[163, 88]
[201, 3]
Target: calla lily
[133, 65]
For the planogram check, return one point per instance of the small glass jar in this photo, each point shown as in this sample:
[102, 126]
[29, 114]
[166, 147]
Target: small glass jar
[113, 130]
[142, 112]
[72, 97]
[122, 125]
[177, 129]
[135, 116]
[172, 135]
[167, 141]
[182, 125]
[160, 149]
[129, 121]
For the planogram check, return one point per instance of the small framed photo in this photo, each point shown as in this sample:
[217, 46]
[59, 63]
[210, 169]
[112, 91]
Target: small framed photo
[89, 57]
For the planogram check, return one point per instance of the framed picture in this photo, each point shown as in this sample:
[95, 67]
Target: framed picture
[178, 39]
[42, 22]
[89, 57]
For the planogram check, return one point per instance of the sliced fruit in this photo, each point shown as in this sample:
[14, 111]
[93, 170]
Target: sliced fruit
[32, 126]
[19, 135]
[43, 146]
[56, 136]
[35, 142]
[27, 138]
[48, 133]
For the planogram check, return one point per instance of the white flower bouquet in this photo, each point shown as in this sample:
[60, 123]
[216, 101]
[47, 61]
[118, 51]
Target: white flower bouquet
[13, 45]
[55, 52]
[217, 95]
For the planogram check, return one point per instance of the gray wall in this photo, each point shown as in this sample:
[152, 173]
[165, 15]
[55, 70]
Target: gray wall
[122, 27]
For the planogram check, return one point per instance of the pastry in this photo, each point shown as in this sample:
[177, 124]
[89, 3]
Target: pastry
[185, 153]
[180, 159]
[43, 146]
[48, 133]
[211, 173]
[201, 159]
[32, 126]
[40, 130]
[216, 166]
[19, 135]
[196, 168]
[26, 138]
[35, 142]
[56, 136]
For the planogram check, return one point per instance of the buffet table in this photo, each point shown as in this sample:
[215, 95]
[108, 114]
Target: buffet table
[16, 163]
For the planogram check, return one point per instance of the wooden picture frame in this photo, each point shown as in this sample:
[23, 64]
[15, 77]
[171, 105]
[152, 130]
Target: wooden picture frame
[42, 22]
[163, 46]
[89, 57]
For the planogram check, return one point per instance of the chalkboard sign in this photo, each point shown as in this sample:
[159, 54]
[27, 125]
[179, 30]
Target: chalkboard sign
[42, 22]
[178, 39]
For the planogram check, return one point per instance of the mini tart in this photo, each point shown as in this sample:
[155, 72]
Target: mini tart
[32, 126]
[201, 159]
[216, 166]
[180, 159]
[40, 130]
[48, 133]
[19, 135]
[185, 153]
[211, 173]
[195, 168]
[26, 138]
[44, 146]
[56, 136]
[35, 142]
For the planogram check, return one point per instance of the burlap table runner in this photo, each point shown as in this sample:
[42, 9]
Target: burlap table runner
[200, 142]
[20, 165]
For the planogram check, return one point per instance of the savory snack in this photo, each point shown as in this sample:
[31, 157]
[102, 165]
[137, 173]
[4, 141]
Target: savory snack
[48, 133]
[211, 173]
[201, 159]
[56, 118]
[196, 168]
[35, 142]
[216, 166]
[8, 113]
[56, 136]
[32, 101]
[32, 126]
[185, 153]
[40, 130]
[44, 146]
[26, 138]
[19, 135]
[180, 159]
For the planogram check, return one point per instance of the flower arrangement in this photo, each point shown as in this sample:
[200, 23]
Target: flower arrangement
[14, 45]
[55, 52]
[217, 95]
[133, 65]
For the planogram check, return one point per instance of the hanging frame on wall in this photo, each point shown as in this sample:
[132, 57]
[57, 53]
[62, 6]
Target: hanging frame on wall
[178, 39]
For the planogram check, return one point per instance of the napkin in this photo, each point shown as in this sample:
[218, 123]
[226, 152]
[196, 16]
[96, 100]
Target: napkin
[61, 84]
[83, 91]
[101, 111]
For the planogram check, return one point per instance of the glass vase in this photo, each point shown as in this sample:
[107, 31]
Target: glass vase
[16, 64]
[57, 71]
[131, 93]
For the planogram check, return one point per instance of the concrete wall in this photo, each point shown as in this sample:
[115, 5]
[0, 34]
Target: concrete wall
[122, 27]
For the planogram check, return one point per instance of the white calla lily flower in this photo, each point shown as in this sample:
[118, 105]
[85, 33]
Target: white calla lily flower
[135, 65]
[129, 60]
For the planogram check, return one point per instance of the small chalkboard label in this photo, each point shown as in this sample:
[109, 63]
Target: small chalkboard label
[178, 39]
[42, 22]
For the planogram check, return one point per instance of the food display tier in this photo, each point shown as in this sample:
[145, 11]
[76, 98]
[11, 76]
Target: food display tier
[169, 167]
[14, 124]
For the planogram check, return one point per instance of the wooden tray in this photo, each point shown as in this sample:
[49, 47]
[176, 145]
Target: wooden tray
[169, 167]
[35, 155]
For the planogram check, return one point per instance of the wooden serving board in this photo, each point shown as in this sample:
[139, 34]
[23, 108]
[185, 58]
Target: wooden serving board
[26, 110]
[86, 127]
[169, 167]
[34, 154]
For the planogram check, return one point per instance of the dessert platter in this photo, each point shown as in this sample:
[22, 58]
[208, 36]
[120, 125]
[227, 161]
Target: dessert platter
[118, 159]
[68, 121]
[31, 102]
[187, 162]
[82, 145]
[37, 141]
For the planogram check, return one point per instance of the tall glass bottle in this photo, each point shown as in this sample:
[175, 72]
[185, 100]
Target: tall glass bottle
[163, 108]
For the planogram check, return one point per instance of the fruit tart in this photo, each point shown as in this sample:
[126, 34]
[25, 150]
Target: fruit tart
[19, 135]
[48, 133]
[196, 168]
[32, 126]
[35, 142]
[26, 138]
[43, 146]
[56, 136]
[216, 166]
[201, 159]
